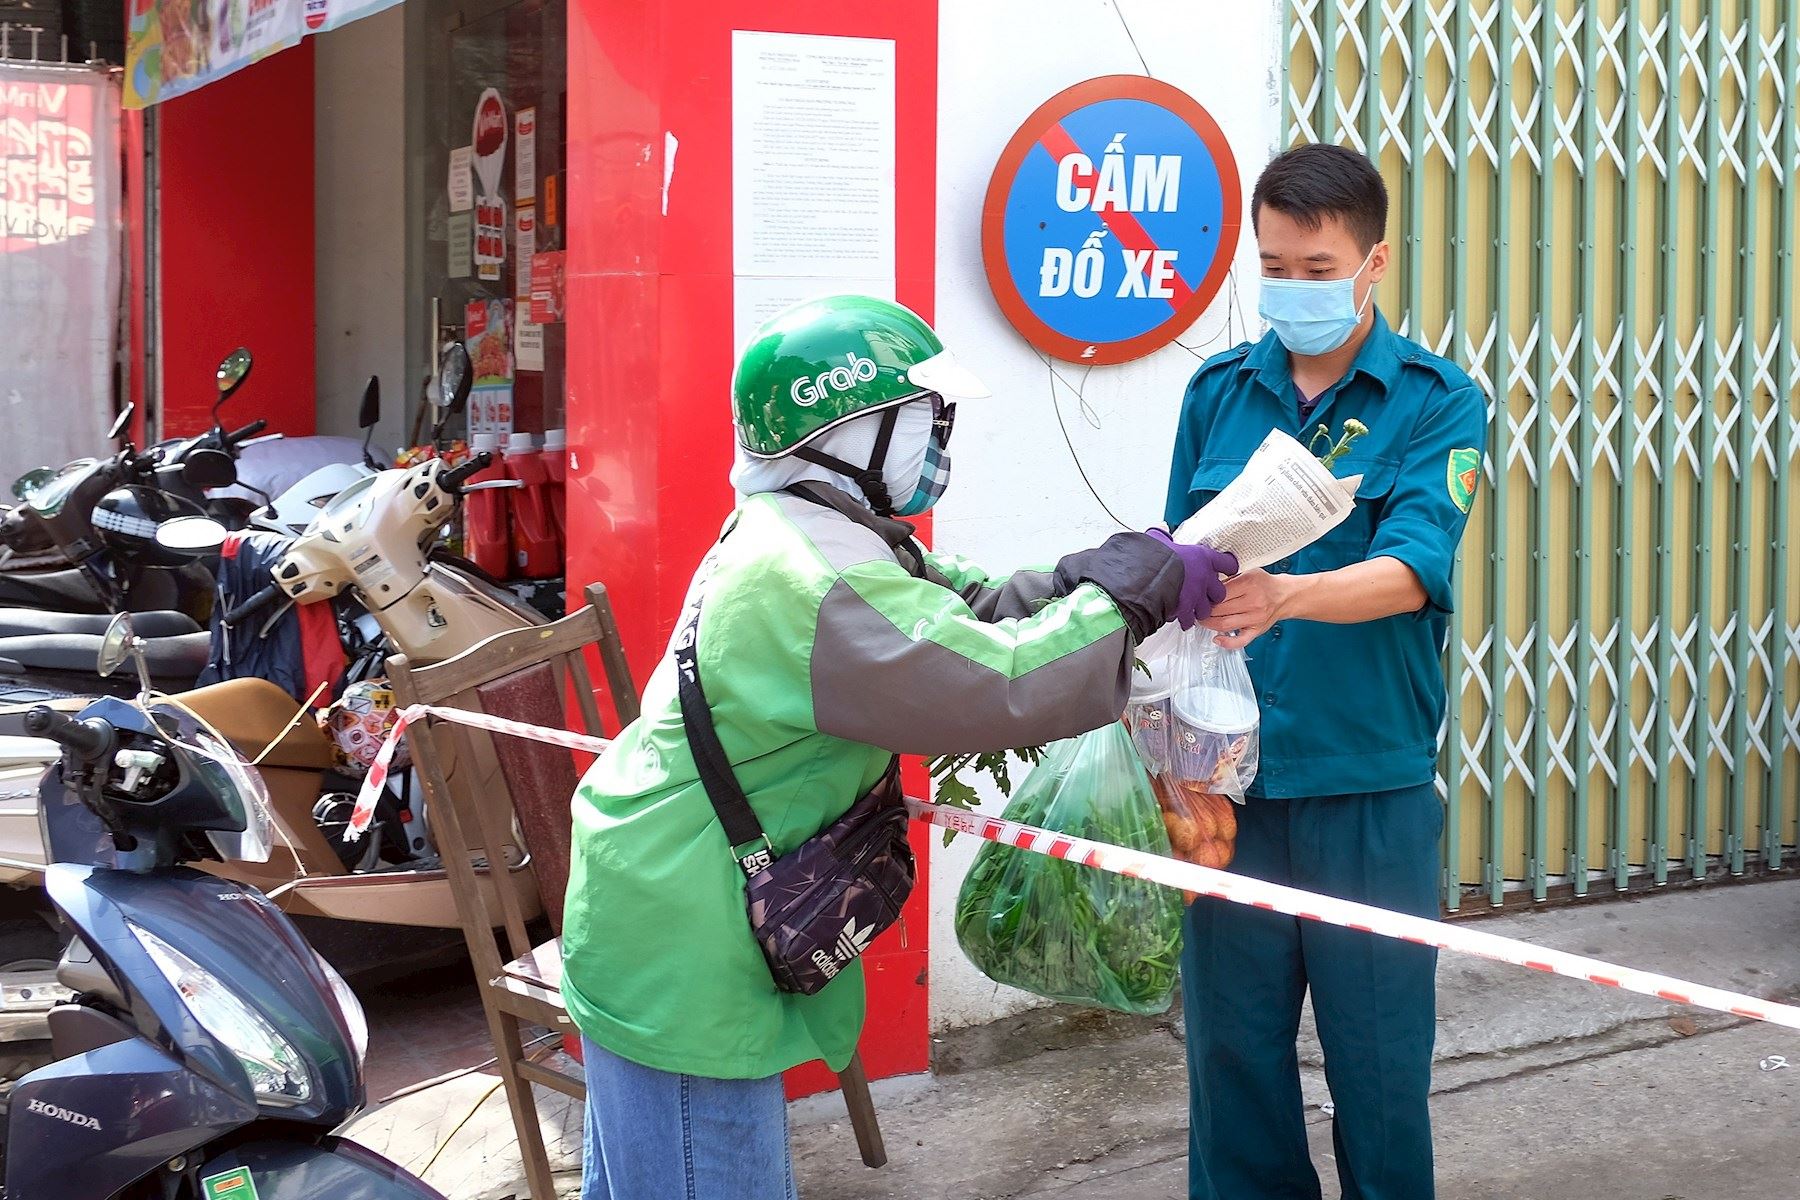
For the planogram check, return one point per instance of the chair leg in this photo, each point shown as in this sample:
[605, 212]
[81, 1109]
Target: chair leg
[855, 1084]
[505, 1030]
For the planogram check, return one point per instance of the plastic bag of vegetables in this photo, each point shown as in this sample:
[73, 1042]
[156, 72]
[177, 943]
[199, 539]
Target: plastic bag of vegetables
[1066, 931]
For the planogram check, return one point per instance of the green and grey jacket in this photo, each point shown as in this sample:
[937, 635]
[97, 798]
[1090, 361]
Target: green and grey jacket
[829, 640]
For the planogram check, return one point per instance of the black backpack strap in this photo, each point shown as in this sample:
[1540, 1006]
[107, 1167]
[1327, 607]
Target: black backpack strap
[742, 828]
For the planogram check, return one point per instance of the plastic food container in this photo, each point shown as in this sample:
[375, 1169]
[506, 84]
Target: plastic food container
[1212, 738]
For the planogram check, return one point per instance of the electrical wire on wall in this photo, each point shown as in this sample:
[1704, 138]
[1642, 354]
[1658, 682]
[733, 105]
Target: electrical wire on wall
[1132, 38]
[1228, 333]
[1200, 350]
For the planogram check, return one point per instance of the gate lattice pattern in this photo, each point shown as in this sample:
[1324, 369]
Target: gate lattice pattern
[1595, 219]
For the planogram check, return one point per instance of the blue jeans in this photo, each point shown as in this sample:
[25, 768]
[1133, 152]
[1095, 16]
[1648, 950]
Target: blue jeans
[1245, 972]
[652, 1135]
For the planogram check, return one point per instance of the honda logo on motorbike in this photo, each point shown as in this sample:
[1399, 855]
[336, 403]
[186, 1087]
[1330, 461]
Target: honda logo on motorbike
[64, 1114]
[808, 391]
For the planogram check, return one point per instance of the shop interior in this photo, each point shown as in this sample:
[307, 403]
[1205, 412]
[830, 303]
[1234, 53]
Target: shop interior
[440, 129]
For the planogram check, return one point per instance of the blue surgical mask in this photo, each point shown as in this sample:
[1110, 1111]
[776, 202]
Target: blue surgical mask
[934, 477]
[1313, 316]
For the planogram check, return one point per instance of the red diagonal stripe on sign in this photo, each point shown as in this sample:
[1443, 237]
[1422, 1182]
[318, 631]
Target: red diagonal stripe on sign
[1132, 235]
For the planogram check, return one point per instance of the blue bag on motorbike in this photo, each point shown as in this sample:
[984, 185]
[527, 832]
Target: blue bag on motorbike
[295, 647]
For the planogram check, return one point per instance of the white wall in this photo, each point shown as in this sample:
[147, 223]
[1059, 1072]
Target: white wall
[360, 226]
[1017, 497]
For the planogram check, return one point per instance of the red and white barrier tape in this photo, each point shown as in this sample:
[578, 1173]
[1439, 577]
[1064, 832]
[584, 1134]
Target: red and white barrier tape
[364, 812]
[1240, 889]
[1191, 877]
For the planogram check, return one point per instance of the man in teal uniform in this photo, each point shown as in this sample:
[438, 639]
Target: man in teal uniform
[1345, 641]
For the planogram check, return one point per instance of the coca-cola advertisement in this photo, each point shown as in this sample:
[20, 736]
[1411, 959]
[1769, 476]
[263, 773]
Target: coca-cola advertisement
[489, 140]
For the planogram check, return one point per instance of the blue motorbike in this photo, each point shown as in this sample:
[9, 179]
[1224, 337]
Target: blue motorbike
[209, 1051]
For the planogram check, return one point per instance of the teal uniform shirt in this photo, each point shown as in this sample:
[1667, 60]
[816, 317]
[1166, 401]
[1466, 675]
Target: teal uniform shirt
[1348, 708]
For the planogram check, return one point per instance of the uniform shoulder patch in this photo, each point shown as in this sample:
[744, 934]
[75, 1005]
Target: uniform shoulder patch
[1463, 476]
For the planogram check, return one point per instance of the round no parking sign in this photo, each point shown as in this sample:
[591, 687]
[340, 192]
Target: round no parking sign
[1111, 219]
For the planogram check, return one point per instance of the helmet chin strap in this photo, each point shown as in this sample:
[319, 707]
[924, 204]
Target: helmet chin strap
[868, 478]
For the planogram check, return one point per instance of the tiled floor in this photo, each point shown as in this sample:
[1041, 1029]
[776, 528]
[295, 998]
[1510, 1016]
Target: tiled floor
[422, 1026]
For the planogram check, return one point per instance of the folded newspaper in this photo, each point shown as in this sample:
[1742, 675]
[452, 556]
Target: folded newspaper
[1282, 501]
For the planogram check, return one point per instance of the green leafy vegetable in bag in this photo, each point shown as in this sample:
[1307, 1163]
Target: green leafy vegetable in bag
[1062, 930]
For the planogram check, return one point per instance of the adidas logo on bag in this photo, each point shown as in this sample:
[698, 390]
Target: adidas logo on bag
[851, 942]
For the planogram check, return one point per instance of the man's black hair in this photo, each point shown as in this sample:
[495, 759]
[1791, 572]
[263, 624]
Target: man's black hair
[1313, 182]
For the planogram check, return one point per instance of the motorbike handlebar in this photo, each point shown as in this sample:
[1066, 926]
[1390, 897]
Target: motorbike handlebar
[253, 605]
[87, 740]
[453, 479]
[249, 431]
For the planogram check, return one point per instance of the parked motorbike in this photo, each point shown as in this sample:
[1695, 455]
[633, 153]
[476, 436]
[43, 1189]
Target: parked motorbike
[46, 655]
[209, 1050]
[427, 608]
[73, 508]
[102, 515]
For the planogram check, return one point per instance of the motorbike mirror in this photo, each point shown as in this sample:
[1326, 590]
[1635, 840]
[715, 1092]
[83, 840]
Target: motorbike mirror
[209, 469]
[120, 643]
[196, 536]
[31, 481]
[232, 373]
[455, 377]
[369, 415]
[120, 422]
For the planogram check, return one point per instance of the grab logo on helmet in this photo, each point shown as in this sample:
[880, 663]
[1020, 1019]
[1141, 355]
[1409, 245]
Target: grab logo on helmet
[809, 390]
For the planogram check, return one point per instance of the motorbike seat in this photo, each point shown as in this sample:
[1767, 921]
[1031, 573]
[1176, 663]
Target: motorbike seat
[29, 622]
[66, 590]
[249, 712]
[181, 657]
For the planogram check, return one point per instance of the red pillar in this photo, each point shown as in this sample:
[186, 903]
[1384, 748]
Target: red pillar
[235, 262]
[649, 306]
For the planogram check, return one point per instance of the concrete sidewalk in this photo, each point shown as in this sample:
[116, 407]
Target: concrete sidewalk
[1544, 1086]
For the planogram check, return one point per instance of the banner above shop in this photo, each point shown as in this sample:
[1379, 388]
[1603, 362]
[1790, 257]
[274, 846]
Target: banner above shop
[175, 46]
[1111, 219]
[59, 262]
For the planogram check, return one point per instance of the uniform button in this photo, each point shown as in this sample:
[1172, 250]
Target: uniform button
[1269, 699]
[1275, 632]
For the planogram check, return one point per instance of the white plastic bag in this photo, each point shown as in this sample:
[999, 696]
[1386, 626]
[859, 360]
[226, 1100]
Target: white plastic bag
[1193, 713]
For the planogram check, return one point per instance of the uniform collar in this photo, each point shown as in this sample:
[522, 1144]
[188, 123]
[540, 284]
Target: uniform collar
[1379, 359]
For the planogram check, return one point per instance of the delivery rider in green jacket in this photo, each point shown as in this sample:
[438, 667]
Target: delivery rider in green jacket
[828, 641]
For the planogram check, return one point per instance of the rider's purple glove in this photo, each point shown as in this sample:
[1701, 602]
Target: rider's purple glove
[1203, 585]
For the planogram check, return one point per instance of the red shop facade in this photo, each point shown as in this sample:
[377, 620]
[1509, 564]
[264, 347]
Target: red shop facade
[281, 190]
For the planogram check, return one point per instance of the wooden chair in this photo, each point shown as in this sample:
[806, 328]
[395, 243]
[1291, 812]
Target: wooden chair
[494, 799]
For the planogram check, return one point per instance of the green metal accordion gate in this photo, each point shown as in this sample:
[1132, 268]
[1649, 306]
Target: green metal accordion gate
[1594, 215]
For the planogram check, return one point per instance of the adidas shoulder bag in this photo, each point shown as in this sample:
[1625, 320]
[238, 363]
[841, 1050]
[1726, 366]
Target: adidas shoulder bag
[814, 910]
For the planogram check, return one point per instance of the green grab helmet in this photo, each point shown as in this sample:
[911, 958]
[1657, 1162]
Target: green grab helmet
[822, 362]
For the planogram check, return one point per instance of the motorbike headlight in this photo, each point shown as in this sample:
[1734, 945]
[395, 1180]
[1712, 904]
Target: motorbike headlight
[351, 1007]
[276, 1070]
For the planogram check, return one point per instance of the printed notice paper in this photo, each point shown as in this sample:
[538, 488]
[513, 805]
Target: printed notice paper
[812, 155]
[755, 298]
[462, 179]
[462, 245]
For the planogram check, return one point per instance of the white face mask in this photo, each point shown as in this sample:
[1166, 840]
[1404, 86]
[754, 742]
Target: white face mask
[1314, 316]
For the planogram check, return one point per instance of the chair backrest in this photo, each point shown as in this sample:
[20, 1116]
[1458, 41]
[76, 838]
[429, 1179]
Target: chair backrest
[490, 796]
